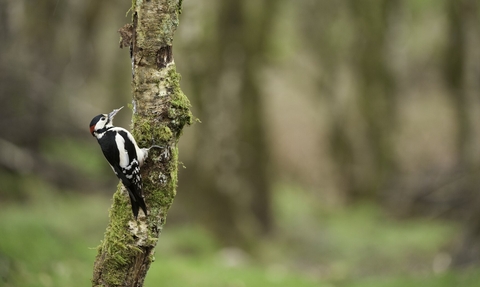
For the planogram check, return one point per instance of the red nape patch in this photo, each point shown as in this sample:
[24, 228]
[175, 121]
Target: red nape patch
[92, 128]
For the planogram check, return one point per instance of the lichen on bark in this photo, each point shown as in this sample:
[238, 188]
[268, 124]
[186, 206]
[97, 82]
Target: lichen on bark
[160, 112]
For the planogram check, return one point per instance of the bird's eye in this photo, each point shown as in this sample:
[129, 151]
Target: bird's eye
[103, 118]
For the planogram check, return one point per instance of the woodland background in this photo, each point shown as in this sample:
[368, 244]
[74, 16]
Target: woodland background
[336, 142]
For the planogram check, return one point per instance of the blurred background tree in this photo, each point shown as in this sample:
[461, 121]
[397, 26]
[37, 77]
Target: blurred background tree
[308, 110]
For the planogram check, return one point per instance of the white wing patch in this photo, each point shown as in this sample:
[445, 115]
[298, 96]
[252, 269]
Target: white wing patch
[141, 155]
[131, 169]
[124, 160]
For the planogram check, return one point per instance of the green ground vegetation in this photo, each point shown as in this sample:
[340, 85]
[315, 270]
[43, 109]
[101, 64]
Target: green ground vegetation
[51, 240]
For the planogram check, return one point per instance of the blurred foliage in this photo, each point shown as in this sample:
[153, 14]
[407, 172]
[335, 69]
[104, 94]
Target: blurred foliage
[82, 156]
[336, 142]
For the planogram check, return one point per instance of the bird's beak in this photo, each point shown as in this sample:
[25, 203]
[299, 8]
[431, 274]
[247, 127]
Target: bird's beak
[113, 113]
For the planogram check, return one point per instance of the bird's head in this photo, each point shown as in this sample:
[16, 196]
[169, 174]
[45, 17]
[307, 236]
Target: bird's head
[102, 122]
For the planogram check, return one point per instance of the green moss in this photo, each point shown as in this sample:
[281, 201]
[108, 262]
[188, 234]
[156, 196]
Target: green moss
[160, 197]
[118, 246]
[179, 8]
[180, 105]
[165, 134]
[146, 132]
[131, 9]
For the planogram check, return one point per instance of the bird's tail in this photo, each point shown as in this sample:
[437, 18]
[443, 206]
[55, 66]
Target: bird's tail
[142, 204]
[136, 199]
[134, 203]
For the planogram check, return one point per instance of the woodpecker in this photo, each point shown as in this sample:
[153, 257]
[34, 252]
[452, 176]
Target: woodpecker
[123, 154]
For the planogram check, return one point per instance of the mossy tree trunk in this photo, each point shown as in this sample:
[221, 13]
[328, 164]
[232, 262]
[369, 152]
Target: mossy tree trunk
[160, 111]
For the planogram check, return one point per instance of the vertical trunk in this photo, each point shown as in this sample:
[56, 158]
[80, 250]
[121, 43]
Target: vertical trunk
[376, 93]
[254, 151]
[160, 111]
[461, 59]
[454, 72]
[232, 157]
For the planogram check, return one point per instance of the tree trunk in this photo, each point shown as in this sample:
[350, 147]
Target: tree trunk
[459, 14]
[231, 161]
[460, 76]
[376, 96]
[160, 111]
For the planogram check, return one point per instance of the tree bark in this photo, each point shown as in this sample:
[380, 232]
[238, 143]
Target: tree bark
[160, 111]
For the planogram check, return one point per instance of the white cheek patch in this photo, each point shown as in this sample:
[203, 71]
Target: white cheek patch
[123, 155]
[98, 126]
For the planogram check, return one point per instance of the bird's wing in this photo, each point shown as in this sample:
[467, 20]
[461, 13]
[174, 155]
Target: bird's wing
[123, 160]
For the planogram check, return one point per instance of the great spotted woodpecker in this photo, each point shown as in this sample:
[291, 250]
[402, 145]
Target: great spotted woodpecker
[123, 154]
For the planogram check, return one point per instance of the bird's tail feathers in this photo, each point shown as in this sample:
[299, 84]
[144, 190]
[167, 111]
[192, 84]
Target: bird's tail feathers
[134, 203]
[137, 201]
[142, 205]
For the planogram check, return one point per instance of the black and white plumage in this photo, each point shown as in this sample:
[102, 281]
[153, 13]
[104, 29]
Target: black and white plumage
[123, 154]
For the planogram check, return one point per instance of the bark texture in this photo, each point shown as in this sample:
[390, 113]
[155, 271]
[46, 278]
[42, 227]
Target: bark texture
[160, 111]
